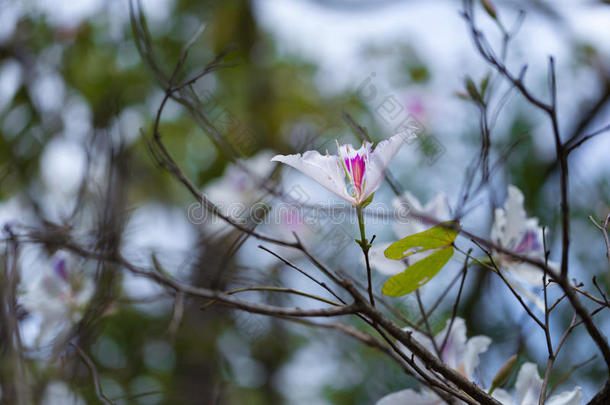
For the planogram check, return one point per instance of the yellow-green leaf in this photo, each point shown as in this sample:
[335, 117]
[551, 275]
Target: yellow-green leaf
[418, 273]
[442, 235]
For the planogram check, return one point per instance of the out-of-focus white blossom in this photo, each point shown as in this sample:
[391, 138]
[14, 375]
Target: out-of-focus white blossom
[459, 353]
[528, 388]
[513, 230]
[237, 190]
[58, 296]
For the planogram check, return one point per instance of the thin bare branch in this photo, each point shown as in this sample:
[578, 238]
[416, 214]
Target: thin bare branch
[94, 374]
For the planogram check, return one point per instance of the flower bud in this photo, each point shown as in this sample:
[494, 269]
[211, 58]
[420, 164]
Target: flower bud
[504, 373]
[490, 8]
[472, 89]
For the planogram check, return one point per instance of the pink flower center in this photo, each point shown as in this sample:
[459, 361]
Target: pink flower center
[60, 269]
[528, 244]
[356, 167]
[355, 164]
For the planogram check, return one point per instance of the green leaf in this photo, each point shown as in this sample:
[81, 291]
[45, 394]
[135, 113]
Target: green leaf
[484, 84]
[417, 274]
[366, 202]
[439, 236]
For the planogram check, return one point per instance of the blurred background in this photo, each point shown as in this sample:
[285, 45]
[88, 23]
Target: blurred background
[77, 104]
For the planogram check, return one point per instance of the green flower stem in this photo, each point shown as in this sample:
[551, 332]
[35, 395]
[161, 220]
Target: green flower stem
[485, 262]
[365, 245]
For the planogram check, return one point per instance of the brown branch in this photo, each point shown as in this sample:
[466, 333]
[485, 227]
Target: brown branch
[550, 109]
[457, 302]
[570, 147]
[94, 374]
[276, 289]
[424, 316]
[431, 361]
[496, 270]
[604, 229]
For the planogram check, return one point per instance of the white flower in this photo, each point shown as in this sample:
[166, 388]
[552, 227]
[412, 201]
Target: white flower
[459, 353]
[407, 206]
[528, 387]
[404, 225]
[514, 231]
[353, 175]
[237, 190]
[58, 296]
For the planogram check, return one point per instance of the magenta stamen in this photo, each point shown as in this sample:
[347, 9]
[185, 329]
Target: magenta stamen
[60, 269]
[529, 243]
[358, 167]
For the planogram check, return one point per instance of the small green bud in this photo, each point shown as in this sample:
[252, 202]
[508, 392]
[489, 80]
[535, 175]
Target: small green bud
[472, 89]
[490, 8]
[502, 376]
[484, 84]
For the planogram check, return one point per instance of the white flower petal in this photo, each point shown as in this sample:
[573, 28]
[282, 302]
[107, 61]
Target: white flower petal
[407, 203]
[525, 292]
[407, 198]
[423, 340]
[516, 218]
[381, 263]
[503, 397]
[236, 190]
[410, 397]
[513, 230]
[454, 349]
[529, 385]
[474, 347]
[391, 267]
[573, 397]
[460, 353]
[497, 228]
[326, 170]
[380, 159]
[438, 207]
[525, 272]
[348, 150]
[405, 225]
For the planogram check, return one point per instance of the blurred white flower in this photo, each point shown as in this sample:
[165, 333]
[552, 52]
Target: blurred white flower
[404, 225]
[407, 204]
[58, 392]
[59, 296]
[364, 168]
[529, 386]
[237, 190]
[514, 231]
[459, 353]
